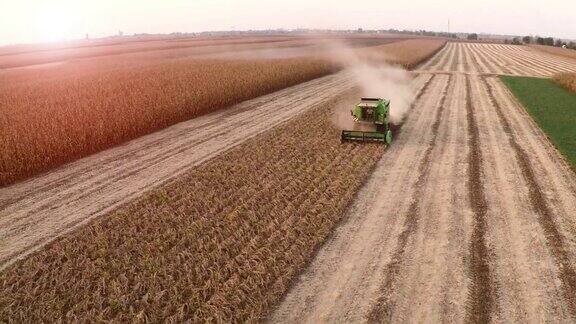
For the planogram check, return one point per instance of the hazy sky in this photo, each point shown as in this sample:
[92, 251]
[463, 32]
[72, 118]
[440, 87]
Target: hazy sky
[44, 20]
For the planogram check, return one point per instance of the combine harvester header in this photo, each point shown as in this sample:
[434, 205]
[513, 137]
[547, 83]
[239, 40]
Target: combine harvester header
[371, 112]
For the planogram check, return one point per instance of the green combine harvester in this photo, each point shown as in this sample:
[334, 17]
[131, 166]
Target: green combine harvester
[370, 111]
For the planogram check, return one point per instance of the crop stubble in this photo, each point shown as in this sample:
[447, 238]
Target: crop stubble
[382, 309]
[500, 59]
[555, 240]
[494, 247]
[201, 247]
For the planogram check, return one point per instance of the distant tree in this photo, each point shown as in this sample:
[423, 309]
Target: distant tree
[527, 39]
[473, 36]
[572, 45]
[559, 43]
[549, 41]
[540, 41]
[516, 41]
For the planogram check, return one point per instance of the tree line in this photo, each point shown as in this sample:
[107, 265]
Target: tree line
[548, 41]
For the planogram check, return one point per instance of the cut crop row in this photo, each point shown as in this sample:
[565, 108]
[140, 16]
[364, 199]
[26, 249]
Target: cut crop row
[223, 242]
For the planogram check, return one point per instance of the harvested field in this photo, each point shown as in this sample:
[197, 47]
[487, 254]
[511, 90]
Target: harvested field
[497, 59]
[565, 52]
[200, 247]
[468, 216]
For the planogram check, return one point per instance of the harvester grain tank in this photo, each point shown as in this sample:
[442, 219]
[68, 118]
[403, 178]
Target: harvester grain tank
[370, 113]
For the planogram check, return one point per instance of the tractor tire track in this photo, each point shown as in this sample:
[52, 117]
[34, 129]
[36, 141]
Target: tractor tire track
[382, 309]
[510, 62]
[546, 219]
[441, 58]
[449, 58]
[457, 228]
[456, 61]
[444, 58]
[486, 59]
[495, 60]
[478, 228]
[432, 62]
[536, 59]
[520, 260]
[465, 60]
[473, 66]
[547, 58]
[481, 293]
[425, 267]
[331, 291]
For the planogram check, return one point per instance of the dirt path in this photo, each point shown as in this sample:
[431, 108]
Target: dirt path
[489, 59]
[35, 212]
[468, 217]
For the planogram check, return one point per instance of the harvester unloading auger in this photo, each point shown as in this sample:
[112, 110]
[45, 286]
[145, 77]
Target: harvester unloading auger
[368, 112]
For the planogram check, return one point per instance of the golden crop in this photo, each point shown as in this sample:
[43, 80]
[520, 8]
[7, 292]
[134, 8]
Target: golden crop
[407, 53]
[50, 119]
[56, 115]
[566, 80]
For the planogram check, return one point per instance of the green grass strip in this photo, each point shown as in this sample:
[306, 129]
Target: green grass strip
[552, 107]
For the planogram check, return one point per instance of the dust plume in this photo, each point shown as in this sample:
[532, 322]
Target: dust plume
[379, 80]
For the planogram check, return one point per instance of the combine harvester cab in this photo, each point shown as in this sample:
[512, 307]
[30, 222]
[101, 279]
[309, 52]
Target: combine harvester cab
[372, 113]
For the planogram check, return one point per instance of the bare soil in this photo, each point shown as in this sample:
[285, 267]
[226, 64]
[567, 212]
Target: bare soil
[498, 59]
[468, 217]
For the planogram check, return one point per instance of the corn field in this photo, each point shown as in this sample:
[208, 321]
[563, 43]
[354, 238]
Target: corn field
[53, 120]
[54, 116]
[566, 80]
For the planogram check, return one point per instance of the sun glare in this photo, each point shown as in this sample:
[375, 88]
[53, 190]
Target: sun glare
[54, 24]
